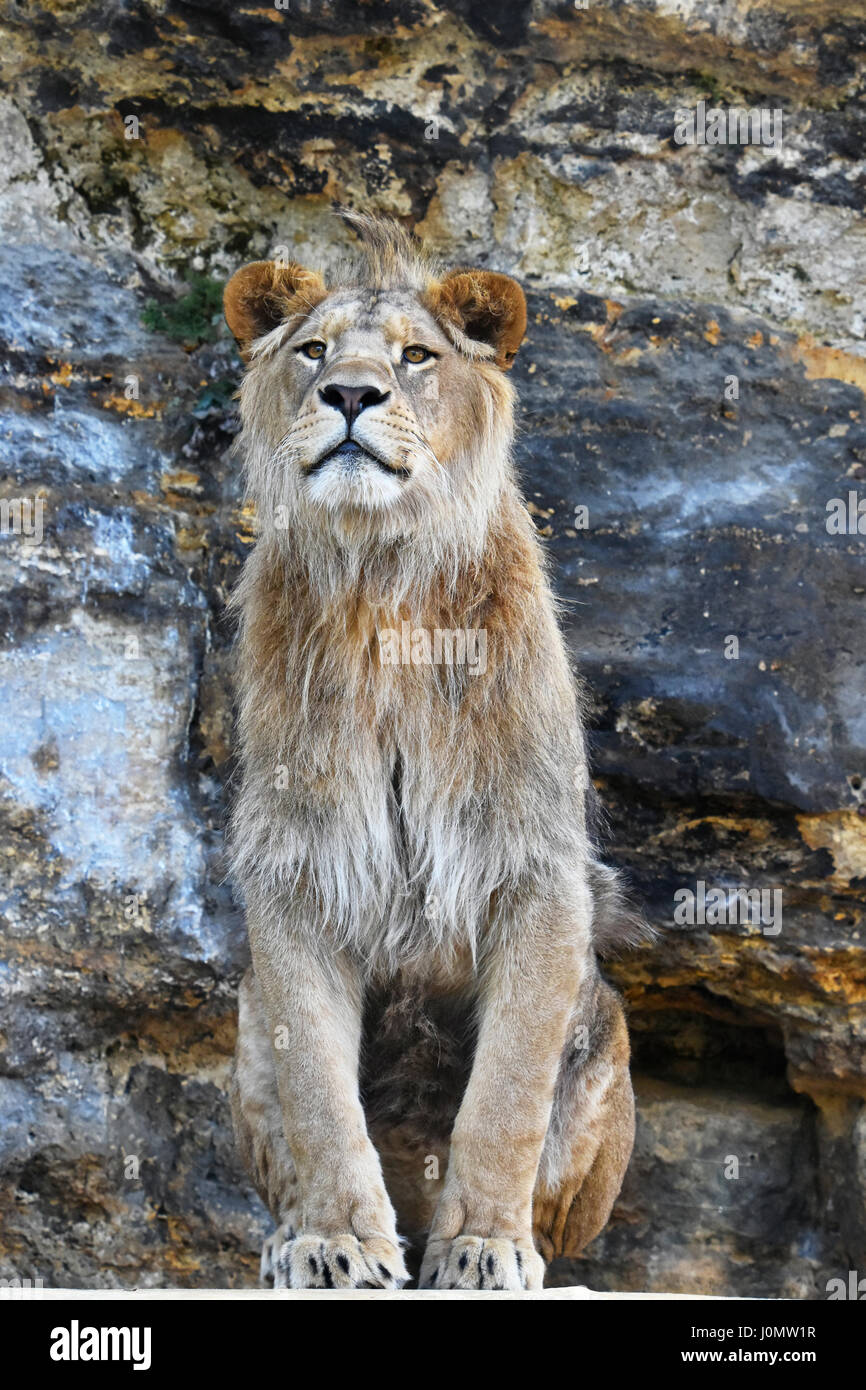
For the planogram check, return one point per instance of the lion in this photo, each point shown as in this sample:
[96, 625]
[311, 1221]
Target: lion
[431, 1078]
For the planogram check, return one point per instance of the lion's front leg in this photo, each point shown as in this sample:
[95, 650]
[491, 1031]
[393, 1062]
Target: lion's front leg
[345, 1235]
[481, 1236]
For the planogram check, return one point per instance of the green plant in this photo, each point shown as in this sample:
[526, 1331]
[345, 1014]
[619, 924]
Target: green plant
[215, 398]
[193, 318]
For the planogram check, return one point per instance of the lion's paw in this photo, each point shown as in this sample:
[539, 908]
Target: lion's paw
[476, 1262]
[339, 1262]
[271, 1253]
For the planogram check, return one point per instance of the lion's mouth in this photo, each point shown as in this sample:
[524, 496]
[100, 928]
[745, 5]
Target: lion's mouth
[351, 455]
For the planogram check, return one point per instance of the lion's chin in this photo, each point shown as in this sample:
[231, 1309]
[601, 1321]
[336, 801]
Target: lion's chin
[351, 481]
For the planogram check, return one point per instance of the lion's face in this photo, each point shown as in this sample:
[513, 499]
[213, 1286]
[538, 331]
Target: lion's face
[375, 412]
[371, 399]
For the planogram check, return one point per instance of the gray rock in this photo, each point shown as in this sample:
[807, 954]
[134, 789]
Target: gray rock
[693, 377]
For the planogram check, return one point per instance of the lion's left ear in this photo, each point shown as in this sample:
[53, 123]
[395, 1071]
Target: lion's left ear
[263, 294]
[484, 306]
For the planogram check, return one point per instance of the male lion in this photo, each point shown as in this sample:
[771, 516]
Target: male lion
[426, 1045]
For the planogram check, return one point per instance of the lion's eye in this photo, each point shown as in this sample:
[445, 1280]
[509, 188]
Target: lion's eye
[313, 350]
[416, 354]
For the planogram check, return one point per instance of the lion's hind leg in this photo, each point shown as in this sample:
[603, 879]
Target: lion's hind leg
[591, 1132]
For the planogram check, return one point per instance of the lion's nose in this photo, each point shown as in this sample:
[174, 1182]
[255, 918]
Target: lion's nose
[351, 400]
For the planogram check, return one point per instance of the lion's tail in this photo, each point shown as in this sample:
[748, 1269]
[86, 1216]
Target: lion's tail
[617, 925]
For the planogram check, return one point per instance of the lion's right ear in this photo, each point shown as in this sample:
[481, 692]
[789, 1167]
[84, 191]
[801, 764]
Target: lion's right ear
[263, 294]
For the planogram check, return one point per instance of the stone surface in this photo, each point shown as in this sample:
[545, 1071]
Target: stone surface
[693, 377]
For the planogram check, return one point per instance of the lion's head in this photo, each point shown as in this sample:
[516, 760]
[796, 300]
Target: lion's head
[375, 404]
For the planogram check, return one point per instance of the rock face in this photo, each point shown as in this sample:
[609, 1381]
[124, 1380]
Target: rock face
[691, 403]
